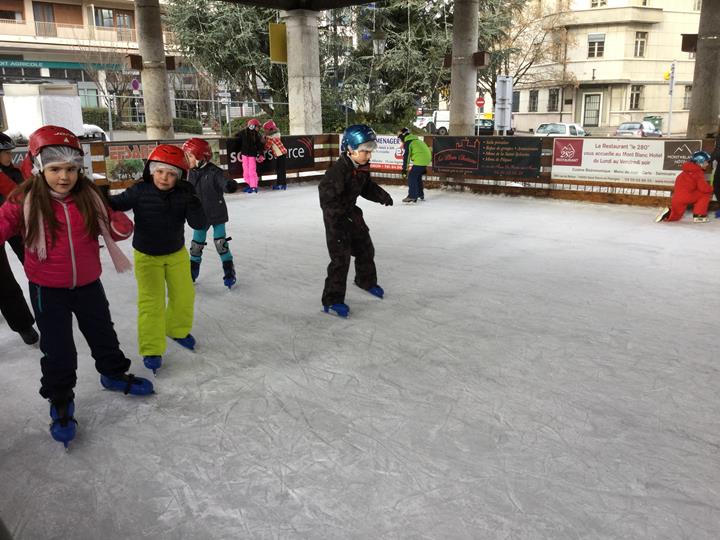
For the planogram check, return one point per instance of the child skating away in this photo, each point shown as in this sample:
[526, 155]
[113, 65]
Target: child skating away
[276, 151]
[60, 214]
[8, 171]
[419, 155]
[690, 188]
[251, 150]
[345, 230]
[161, 205]
[210, 184]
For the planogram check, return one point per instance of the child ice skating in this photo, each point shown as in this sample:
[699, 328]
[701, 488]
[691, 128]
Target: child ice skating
[60, 214]
[345, 230]
[690, 188]
[210, 184]
[275, 150]
[418, 153]
[161, 204]
[251, 150]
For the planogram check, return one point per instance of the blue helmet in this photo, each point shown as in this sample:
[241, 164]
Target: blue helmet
[700, 157]
[355, 135]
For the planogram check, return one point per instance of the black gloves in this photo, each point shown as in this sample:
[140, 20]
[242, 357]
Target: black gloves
[231, 186]
[387, 201]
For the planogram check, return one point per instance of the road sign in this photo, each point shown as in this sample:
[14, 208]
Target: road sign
[225, 101]
[480, 101]
[223, 94]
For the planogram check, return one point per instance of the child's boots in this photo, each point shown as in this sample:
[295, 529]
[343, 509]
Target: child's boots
[194, 270]
[127, 383]
[62, 427]
[229, 277]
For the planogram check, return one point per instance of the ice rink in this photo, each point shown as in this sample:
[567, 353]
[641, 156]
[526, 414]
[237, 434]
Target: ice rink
[538, 369]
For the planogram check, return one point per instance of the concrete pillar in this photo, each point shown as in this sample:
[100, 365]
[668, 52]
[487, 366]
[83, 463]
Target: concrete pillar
[156, 90]
[303, 71]
[463, 74]
[704, 115]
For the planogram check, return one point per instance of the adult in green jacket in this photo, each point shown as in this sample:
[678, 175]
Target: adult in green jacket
[417, 152]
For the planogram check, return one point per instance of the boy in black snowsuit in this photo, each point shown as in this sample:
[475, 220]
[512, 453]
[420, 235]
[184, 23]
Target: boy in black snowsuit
[345, 230]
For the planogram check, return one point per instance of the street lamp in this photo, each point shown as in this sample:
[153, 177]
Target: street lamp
[378, 39]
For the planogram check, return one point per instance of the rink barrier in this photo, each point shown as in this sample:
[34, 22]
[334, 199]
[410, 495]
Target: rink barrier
[326, 148]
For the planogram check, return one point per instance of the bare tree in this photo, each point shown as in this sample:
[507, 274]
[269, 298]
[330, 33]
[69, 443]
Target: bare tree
[107, 69]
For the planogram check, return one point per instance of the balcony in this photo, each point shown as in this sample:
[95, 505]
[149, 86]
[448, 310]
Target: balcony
[607, 16]
[72, 34]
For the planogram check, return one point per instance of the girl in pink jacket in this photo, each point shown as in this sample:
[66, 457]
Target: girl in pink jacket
[60, 214]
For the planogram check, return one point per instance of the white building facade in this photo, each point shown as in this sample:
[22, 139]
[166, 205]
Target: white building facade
[616, 59]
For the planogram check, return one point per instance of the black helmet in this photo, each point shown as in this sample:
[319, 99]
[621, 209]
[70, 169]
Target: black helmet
[6, 143]
[404, 131]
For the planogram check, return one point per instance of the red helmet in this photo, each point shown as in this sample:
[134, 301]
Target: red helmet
[167, 153]
[52, 136]
[198, 148]
[253, 122]
[270, 126]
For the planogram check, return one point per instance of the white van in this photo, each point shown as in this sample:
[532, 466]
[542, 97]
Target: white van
[440, 123]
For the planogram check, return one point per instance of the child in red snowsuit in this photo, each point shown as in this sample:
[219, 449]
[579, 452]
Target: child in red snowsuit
[690, 188]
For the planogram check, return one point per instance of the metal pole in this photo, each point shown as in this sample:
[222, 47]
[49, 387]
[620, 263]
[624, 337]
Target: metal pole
[227, 115]
[110, 124]
[670, 91]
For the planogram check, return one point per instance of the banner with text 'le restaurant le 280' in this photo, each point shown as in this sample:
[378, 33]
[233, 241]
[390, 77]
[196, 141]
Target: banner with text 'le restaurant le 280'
[631, 161]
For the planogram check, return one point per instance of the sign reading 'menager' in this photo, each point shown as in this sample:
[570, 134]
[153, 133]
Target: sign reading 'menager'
[633, 161]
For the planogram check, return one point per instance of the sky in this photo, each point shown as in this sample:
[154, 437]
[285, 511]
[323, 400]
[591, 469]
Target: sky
[538, 369]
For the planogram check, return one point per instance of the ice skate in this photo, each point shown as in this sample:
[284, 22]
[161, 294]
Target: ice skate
[409, 200]
[254, 190]
[194, 270]
[376, 290]
[698, 218]
[229, 279]
[247, 189]
[152, 362]
[127, 383]
[663, 215]
[340, 309]
[62, 427]
[283, 187]
[188, 341]
[29, 335]
[276, 187]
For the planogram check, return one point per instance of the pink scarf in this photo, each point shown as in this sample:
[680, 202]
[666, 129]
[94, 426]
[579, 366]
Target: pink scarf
[121, 262]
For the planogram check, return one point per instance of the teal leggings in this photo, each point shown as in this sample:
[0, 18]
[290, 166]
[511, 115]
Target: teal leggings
[219, 239]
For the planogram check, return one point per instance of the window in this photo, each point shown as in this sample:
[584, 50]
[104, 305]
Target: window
[516, 101]
[88, 97]
[104, 17]
[596, 45]
[697, 5]
[533, 102]
[636, 92]
[10, 15]
[640, 43]
[598, 3]
[687, 98]
[553, 99]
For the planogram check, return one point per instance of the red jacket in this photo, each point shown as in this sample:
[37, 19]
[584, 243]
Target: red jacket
[73, 260]
[690, 181]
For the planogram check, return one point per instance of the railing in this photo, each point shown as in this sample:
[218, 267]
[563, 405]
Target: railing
[326, 151]
[77, 32]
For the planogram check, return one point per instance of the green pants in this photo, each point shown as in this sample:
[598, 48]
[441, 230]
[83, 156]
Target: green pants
[156, 318]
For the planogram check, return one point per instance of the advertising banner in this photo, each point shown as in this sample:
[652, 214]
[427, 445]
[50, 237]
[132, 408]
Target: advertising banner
[300, 155]
[388, 155]
[633, 161]
[512, 157]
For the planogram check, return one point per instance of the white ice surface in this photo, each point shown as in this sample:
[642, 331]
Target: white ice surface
[537, 370]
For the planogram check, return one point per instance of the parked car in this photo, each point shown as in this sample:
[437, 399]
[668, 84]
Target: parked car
[484, 126]
[560, 129]
[637, 129]
[421, 122]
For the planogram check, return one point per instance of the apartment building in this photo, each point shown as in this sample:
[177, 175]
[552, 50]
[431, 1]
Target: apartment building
[613, 57]
[76, 41]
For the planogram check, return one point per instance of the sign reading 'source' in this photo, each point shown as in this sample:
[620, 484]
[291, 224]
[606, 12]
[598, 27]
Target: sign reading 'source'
[633, 161]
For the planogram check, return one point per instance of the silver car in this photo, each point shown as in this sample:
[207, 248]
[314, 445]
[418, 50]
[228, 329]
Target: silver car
[637, 129]
[560, 129]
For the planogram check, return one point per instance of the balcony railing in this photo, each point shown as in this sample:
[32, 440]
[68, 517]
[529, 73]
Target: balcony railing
[75, 32]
